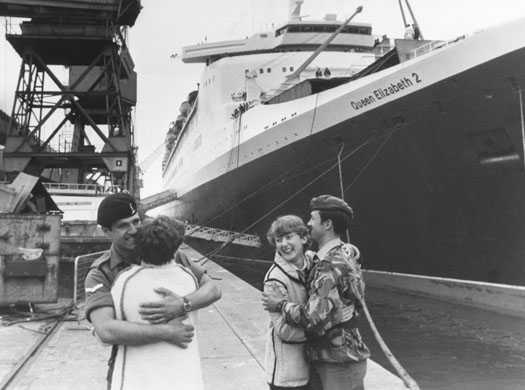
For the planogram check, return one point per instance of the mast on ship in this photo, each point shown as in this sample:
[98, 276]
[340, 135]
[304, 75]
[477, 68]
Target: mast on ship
[416, 30]
[295, 9]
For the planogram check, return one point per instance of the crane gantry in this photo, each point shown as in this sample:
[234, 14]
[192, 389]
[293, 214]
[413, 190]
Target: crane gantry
[88, 38]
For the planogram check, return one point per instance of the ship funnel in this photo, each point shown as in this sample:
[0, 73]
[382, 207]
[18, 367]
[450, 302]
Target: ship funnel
[295, 9]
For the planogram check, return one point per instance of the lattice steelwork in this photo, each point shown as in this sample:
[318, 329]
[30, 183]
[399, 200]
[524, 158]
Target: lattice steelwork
[89, 42]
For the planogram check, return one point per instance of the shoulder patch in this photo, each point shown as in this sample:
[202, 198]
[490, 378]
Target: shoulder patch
[91, 290]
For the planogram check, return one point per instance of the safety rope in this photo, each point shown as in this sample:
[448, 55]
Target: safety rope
[407, 379]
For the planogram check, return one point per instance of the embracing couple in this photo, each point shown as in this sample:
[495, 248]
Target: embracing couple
[313, 339]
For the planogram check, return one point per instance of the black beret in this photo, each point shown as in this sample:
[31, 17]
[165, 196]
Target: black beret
[115, 207]
[329, 202]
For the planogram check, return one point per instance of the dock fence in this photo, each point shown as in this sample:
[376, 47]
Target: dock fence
[82, 266]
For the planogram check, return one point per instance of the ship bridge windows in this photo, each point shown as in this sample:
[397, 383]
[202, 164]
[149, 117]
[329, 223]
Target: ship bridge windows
[323, 28]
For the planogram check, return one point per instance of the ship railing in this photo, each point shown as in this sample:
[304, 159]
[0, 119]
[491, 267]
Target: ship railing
[427, 48]
[435, 45]
[80, 189]
[220, 235]
[309, 74]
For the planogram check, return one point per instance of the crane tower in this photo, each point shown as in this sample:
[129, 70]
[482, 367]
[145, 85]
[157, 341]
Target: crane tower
[77, 118]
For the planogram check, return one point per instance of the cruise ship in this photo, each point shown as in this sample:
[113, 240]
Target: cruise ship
[424, 139]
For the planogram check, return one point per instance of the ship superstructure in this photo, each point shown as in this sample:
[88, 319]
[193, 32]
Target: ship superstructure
[242, 74]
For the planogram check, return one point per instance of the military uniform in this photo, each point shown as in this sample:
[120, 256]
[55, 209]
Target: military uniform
[334, 282]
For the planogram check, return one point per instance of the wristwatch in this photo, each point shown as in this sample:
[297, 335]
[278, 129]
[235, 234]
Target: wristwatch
[186, 304]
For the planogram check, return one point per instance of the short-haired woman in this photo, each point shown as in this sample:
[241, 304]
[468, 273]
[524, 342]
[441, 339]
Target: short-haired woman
[159, 365]
[285, 360]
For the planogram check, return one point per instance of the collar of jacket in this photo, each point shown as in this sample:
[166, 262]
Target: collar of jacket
[291, 270]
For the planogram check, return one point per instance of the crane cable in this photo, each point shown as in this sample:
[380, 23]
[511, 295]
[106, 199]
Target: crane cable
[407, 379]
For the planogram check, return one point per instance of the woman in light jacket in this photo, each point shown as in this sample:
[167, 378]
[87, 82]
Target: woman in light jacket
[285, 359]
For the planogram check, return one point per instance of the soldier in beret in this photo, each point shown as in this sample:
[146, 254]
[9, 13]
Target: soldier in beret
[119, 218]
[335, 288]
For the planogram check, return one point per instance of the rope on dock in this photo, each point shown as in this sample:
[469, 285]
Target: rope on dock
[407, 379]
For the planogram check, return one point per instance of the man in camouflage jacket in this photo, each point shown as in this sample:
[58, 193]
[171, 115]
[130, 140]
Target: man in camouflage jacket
[335, 288]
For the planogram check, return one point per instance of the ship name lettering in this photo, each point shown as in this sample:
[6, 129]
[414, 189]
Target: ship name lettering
[383, 92]
[362, 102]
[402, 84]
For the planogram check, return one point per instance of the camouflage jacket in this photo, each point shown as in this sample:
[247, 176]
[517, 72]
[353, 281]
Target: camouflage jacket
[334, 283]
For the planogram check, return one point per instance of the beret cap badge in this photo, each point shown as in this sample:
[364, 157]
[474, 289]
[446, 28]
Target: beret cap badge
[115, 207]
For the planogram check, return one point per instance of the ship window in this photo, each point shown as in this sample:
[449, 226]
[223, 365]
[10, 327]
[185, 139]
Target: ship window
[330, 28]
[261, 71]
[291, 68]
[263, 35]
[306, 29]
[318, 29]
[269, 70]
[281, 31]
[284, 68]
[294, 29]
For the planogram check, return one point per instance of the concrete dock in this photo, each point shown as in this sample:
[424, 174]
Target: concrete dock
[231, 336]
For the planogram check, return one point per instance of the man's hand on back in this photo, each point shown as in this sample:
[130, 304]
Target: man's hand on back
[160, 312]
[178, 333]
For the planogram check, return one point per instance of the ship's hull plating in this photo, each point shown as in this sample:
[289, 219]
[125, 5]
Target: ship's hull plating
[436, 180]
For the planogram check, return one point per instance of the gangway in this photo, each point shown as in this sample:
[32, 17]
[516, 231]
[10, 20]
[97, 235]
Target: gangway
[201, 232]
[157, 200]
[220, 235]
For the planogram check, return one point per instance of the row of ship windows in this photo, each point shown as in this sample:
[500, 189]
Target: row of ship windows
[324, 28]
[269, 70]
[198, 142]
[180, 163]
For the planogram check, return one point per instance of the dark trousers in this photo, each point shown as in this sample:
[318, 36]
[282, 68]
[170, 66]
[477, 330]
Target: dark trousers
[341, 376]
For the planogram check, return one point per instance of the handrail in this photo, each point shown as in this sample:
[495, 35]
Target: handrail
[86, 189]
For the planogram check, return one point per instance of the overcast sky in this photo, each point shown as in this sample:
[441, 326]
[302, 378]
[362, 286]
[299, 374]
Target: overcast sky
[164, 26]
